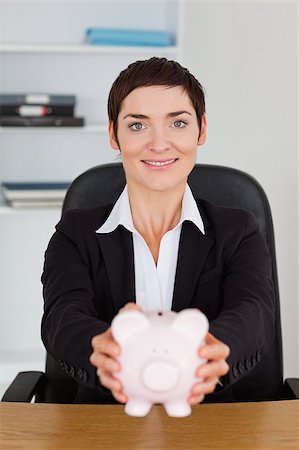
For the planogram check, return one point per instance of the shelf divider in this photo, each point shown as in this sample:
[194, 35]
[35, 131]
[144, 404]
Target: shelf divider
[85, 49]
[88, 129]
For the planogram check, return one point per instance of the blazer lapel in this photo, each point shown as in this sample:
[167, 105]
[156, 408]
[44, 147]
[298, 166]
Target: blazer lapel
[193, 250]
[118, 255]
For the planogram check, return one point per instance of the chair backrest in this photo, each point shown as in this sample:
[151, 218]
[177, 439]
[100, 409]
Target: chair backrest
[225, 186]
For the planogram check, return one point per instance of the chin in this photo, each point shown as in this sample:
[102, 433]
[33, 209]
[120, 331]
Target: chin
[164, 186]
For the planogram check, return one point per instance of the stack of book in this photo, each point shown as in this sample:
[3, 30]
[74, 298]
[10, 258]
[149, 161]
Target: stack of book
[38, 110]
[111, 36]
[22, 195]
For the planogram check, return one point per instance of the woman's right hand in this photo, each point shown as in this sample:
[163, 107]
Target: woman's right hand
[105, 351]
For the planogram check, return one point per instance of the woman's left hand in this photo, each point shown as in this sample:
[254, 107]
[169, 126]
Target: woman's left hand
[215, 352]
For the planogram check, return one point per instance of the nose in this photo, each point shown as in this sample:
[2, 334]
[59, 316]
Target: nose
[160, 376]
[159, 142]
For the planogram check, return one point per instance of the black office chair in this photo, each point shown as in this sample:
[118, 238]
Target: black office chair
[221, 185]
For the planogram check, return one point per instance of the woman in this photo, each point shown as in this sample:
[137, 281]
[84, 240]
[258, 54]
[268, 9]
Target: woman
[157, 247]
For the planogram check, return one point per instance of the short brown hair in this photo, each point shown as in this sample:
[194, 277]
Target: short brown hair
[153, 72]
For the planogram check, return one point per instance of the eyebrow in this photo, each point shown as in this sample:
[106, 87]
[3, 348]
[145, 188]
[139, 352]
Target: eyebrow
[171, 114]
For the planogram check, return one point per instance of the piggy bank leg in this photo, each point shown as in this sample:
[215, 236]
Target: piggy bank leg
[178, 409]
[137, 408]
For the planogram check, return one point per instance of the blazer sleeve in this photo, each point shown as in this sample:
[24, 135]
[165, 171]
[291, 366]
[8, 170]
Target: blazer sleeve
[247, 317]
[70, 319]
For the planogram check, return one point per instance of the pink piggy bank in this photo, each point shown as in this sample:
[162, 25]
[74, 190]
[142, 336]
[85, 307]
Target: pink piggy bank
[159, 358]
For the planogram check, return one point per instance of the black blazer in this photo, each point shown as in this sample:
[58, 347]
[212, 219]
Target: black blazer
[225, 273]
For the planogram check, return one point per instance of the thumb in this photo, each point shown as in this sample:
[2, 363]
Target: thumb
[131, 306]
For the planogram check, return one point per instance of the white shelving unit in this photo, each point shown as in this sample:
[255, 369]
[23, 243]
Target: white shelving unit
[42, 50]
[88, 129]
[116, 50]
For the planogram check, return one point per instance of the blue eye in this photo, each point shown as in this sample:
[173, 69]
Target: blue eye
[179, 122]
[136, 126]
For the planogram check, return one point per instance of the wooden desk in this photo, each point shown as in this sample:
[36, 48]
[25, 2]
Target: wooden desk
[266, 425]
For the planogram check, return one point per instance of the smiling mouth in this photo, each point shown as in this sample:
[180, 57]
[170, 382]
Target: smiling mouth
[159, 163]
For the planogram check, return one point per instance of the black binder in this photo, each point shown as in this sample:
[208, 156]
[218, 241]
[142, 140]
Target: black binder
[50, 121]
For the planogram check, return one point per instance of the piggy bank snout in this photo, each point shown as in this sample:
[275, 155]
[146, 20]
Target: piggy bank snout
[160, 376]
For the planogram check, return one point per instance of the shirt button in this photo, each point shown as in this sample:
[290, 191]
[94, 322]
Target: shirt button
[65, 366]
[248, 364]
[241, 367]
[84, 376]
[258, 356]
[235, 372]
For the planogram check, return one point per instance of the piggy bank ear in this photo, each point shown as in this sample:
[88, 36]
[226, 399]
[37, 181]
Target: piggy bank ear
[191, 322]
[128, 323]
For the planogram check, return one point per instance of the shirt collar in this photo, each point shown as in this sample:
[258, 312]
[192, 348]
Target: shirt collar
[190, 210]
[121, 213]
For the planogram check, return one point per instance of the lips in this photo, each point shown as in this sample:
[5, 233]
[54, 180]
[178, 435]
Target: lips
[154, 163]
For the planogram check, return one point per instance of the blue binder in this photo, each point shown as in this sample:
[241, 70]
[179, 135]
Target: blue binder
[109, 36]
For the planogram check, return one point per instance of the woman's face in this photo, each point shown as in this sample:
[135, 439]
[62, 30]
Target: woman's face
[158, 134]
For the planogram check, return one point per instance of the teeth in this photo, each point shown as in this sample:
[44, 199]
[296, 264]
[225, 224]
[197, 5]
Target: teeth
[157, 163]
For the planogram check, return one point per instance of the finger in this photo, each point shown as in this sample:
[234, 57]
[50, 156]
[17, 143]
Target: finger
[120, 397]
[214, 351]
[104, 362]
[105, 343]
[130, 306]
[206, 387]
[211, 339]
[209, 386]
[109, 381]
[195, 399]
[217, 368]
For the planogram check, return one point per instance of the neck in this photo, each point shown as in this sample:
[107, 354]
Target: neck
[153, 212]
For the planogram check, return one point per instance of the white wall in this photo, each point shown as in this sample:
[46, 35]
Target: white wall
[245, 55]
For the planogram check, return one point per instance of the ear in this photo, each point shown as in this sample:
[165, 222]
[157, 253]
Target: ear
[193, 323]
[203, 134]
[112, 138]
[128, 323]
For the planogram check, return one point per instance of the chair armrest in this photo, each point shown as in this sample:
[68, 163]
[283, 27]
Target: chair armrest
[24, 387]
[292, 385]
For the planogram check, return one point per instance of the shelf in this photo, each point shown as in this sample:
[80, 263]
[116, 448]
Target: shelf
[85, 49]
[88, 129]
[6, 210]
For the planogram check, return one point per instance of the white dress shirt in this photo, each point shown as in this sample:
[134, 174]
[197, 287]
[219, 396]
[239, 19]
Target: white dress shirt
[153, 284]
